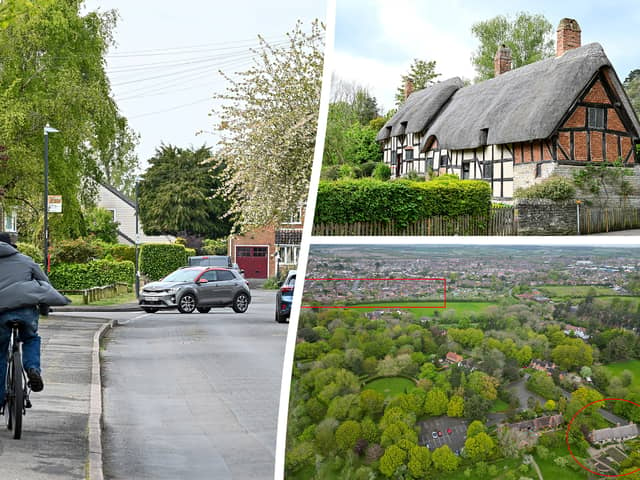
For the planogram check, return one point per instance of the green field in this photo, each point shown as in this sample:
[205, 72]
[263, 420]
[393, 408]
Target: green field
[633, 301]
[574, 291]
[632, 365]
[503, 466]
[550, 470]
[459, 307]
[499, 406]
[391, 386]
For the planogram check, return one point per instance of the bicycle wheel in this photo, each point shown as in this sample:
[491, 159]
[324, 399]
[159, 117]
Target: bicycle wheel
[8, 407]
[18, 396]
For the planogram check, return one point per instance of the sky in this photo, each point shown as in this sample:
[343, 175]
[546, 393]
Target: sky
[164, 67]
[376, 41]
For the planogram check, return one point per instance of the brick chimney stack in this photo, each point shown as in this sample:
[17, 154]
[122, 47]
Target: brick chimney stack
[409, 87]
[569, 36]
[502, 60]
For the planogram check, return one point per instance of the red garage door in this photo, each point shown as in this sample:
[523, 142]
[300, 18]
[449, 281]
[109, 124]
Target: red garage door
[253, 260]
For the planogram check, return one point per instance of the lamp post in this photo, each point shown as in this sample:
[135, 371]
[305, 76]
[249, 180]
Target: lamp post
[137, 280]
[47, 131]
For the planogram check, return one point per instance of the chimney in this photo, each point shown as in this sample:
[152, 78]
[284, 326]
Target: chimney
[408, 87]
[502, 60]
[568, 36]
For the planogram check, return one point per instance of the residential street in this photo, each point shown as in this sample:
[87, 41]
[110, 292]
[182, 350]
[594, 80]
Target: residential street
[193, 396]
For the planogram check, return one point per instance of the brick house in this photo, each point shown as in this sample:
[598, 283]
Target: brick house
[263, 251]
[453, 358]
[516, 129]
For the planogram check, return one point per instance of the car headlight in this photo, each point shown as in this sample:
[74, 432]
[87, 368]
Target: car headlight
[173, 290]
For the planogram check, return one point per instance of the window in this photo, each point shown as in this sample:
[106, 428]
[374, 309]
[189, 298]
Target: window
[444, 160]
[210, 275]
[596, 117]
[408, 154]
[466, 169]
[113, 213]
[288, 254]
[251, 251]
[10, 220]
[296, 216]
[538, 170]
[224, 275]
[487, 170]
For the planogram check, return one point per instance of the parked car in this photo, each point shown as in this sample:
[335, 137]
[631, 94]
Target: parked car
[214, 261]
[197, 288]
[449, 431]
[434, 434]
[439, 433]
[284, 297]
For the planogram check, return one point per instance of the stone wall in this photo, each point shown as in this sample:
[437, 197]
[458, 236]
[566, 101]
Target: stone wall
[546, 217]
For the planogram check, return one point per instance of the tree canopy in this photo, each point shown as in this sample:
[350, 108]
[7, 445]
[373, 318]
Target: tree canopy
[268, 123]
[421, 74]
[529, 36]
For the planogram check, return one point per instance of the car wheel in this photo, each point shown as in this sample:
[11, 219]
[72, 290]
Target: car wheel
[150, 310]
[204, 309]
[187, 303]
[280, 318]
[240, 303]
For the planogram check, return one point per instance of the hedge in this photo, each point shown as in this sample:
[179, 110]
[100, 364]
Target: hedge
[157, 260]
[96, 273]
[123, 252]
[369, 200]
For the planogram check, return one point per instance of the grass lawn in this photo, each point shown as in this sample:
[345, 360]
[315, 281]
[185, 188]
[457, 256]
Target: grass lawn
[391, 386]
[499, 406]
[633, 301]
[459, 307]
[504, 466]
[551, 470]
[632, 365]
[558, 291]
[124, 298]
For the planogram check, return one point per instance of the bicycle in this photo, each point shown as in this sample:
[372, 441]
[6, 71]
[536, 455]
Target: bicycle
[17, 394]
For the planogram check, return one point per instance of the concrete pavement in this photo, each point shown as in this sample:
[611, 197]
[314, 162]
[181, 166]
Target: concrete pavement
[55, 434]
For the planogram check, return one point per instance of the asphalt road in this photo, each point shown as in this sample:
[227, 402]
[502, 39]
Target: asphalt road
[193, 396]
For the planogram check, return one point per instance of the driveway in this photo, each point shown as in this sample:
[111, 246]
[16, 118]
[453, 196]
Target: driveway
[519, 389]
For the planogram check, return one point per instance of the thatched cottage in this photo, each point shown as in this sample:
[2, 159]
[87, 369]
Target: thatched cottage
[516, 129]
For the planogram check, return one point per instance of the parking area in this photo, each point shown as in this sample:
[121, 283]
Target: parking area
[453, 433]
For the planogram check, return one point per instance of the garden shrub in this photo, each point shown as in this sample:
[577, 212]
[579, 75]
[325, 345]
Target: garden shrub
[553, 188]
[382, 172]
[30, 250]
[96, 273]
[214, 247]
[366, 169]
[80, 250]
[189, 252]
[123, 252]
[369, 200]
[157, 260]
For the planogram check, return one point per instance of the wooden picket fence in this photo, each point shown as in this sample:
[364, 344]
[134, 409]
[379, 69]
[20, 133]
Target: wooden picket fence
[95, 294]
[499, 222]
[603, 220]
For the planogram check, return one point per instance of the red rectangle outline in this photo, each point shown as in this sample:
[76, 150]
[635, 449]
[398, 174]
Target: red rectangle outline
[378, 306]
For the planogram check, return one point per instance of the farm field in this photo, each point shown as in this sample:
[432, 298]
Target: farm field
[560, 291]
[633, 301]
[391, 386]
[632, 365]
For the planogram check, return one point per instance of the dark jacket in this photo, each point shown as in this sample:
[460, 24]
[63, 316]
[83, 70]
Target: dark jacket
[23, 283]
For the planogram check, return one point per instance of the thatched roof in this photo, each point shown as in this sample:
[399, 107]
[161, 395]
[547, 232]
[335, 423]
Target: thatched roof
[419, 110]
[615, 433]
[524, 104]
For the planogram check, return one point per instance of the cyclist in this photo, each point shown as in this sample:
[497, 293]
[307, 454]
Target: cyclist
[23, 288]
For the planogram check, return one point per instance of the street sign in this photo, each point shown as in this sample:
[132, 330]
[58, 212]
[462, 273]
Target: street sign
[55, 203]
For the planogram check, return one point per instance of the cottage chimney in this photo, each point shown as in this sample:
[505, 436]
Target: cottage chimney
[409, 87]
[569, 36]
[502, 60]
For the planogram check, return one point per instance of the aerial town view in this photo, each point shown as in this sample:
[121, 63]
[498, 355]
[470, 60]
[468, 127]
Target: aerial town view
[507, 382]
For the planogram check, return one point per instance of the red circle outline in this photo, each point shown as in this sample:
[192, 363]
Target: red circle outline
[566, 438]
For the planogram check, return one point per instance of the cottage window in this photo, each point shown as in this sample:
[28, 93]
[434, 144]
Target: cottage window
[288, 254]
[444, 160]
[408, 155]
[466, 170]
[538, 170]
[487, 170]
[596, 117]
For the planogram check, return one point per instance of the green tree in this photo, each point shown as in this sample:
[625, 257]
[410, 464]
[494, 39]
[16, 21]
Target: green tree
[268, 123]
[455, 407]
[419, 461]
[391, 460]
[53, 71]
[529, 36]
[347, 434]
[178, 194]
[100, 223]
[475, 428]
[421, 74]
[436, 402]
[573, 355]
[479, 447]
[371, 402]
[632, 87]
[444, 459]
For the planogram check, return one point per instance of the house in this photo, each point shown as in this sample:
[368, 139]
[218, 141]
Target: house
[579, 332]
[549, 117]
[265, 252]
[614, 434]
[453, 358]
[543, 366]
[549, 422]
[123, 210]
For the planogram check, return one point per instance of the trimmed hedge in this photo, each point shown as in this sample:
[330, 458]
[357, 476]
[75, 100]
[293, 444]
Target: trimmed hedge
[96, 273]
[369, 200]
[157, 260]
[123, 252]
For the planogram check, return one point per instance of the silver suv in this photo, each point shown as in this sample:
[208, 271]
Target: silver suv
[197, 288]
